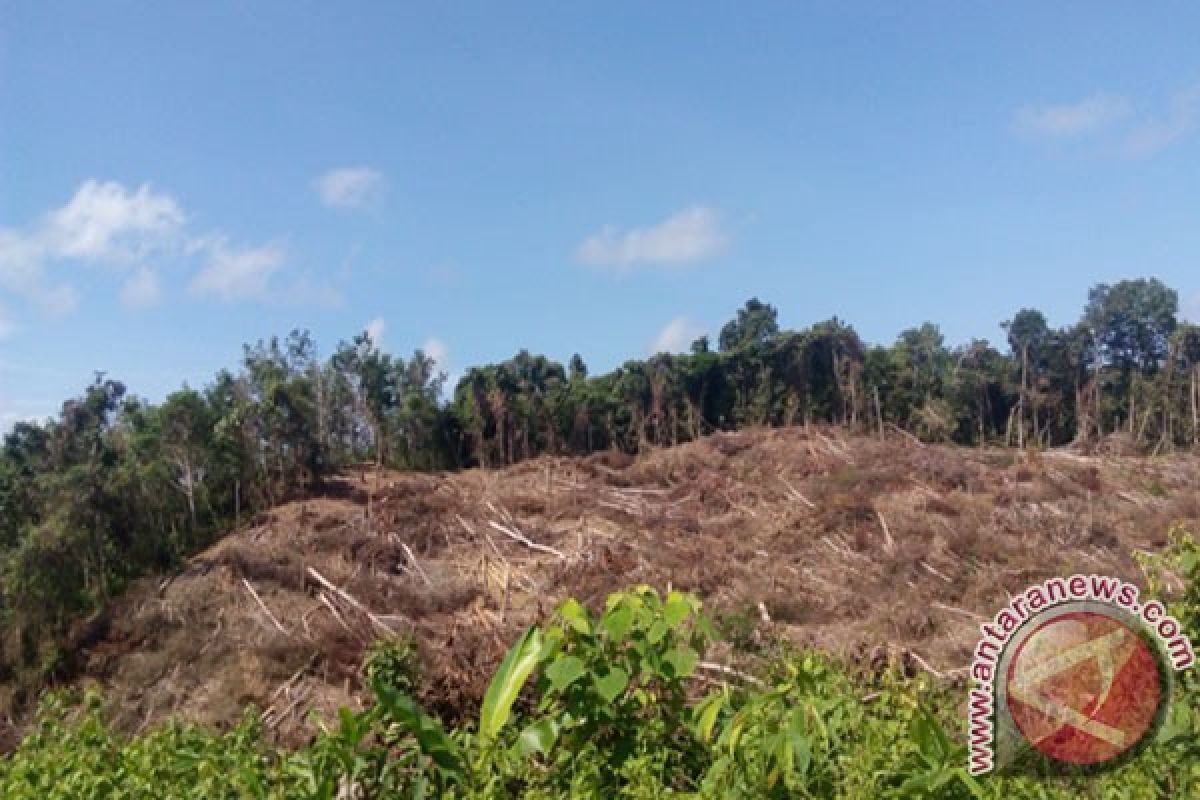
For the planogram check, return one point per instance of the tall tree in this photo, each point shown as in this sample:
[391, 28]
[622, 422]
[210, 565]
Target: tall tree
[755, 323]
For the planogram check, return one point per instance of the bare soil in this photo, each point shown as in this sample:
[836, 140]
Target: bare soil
[883, 552]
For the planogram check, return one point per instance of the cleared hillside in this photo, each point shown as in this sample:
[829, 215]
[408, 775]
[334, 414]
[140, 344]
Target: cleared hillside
[883, 551]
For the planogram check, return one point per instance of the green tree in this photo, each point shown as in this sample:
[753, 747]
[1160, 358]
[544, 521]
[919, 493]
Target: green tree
[755, 323]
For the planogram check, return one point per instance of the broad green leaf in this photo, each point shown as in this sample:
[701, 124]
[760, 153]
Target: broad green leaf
[564, 671]
[706, 715]
[611, 685]
[538, 737]
[801, 744]
[617, 621]
[506, 684]
[657, 631]
[676, 609]
[431, 737]
[931, 740]
[682, 659]
[576, 616]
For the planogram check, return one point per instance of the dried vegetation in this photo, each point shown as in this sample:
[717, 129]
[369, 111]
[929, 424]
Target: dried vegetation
[886, 552]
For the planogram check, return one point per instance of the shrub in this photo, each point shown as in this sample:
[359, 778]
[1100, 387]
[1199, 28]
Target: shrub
[611, 710]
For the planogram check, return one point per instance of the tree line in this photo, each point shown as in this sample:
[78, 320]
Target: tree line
[116, 487]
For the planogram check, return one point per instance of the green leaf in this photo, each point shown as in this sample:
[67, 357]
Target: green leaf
[506, 684]
[431, 737]
[576, 616]
[682, 659]
[676, 609]
[657, 631]
[932, 742]
[611, 685]
[706, 715]
[617, 621]
[538, 737]
[564, 671]
[801, 744]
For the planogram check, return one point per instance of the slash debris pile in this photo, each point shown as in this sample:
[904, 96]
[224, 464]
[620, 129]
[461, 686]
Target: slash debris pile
[886, 552]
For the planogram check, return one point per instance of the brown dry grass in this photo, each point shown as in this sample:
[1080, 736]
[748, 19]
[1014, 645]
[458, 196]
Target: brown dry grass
[876, 550]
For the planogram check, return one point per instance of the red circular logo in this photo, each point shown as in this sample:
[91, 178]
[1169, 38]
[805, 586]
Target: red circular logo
[1084, 688]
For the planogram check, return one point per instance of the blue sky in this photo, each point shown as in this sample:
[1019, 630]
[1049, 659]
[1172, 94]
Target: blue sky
[179, 178]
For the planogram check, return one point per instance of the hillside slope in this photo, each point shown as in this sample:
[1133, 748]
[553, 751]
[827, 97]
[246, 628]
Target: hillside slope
[883, 551]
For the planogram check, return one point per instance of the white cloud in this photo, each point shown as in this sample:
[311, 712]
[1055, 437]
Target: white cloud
[676, 337]
[374, 330]
[349, 187]
[102, 223]
[691, 235]
[23, 272]
[142, 289]
[1072, 119]
[1181, 120]
[436, 349]
[237, 273]
[20, 262]
[107, 222]
[131, 231]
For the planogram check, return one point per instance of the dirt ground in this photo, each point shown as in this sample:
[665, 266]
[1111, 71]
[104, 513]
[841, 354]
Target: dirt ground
[881, 551]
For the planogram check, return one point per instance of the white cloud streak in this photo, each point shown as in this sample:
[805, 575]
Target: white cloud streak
[232, 274]
[375, 330]
[439, 351]
[686, 237]
[1181, 120]
[349, 187]
[1112, 117]
[1072, 120]
[675, 337]
[102, 223]
[107, 222]
[132, 232]
[436, 349]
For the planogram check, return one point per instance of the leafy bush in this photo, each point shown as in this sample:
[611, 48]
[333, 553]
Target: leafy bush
[393, 662]
[604, 706]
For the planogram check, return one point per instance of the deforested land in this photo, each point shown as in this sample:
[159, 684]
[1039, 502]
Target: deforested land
[374, 583]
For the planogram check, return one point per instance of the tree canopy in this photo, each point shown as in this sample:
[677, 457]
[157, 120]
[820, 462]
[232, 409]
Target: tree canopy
[115, 487]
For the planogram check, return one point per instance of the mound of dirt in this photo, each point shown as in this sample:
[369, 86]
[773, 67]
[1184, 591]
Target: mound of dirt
[876, 550]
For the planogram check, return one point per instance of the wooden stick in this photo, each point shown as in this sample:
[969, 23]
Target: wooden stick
[796, 494]
[264, 608]
[923, 664]
[333, 610]
[466, 525]
[889, 544]
[517, 536]
[730, 671]
[375, 620]
[907, 435]
[416, 565]
[930, 569]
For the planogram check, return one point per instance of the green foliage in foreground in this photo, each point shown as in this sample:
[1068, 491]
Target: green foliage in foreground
[603, 706]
